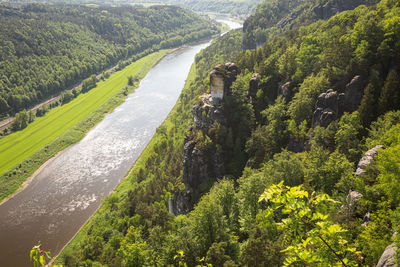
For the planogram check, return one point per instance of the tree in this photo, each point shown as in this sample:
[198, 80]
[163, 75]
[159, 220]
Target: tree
[130, 80]
[133, 249]
[347, 136]
[368, 108]
[390, 98]
[311, 237]
[21, 120]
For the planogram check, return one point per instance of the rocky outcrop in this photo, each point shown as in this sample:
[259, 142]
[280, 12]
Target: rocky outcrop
[366, 160]
[327, 108]
[206, 112]
[221, 79]
[388, 258]
[332, 7]
[199, 165]
[285, 90]
[253, 88]
[352, 200]
[202, 160]
[353, 94]
[289, 20]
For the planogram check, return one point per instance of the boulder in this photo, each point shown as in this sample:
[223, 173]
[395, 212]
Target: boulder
[352, 200]
[366, 160]
[388, 258]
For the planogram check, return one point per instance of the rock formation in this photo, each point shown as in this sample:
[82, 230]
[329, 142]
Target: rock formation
[327, 108]
[206, 111]
[202, 163]
[254, 81]
[221, 79]
[285, 89]
[366, 160]
[388, 258]
[331, 7]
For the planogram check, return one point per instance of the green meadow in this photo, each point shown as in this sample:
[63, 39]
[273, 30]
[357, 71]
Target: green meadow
[22, 152]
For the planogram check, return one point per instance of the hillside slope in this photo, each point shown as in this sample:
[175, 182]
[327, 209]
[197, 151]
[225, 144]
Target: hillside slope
[47, 48]
[296, 164]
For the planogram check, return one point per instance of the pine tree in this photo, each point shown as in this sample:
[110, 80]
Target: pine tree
[389, 98]
[367, 109]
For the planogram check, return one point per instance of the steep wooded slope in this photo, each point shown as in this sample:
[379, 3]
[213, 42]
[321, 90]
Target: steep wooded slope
[47, 48]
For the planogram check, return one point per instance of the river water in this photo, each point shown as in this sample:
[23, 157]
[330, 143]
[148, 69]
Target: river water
[68, 190]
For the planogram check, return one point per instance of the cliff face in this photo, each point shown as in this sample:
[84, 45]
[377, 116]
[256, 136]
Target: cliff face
[203, 158]
[331, 7]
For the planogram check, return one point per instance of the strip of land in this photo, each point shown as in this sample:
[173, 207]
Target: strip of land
[23, 152]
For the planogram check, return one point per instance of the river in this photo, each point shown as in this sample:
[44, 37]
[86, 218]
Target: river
[69, 189]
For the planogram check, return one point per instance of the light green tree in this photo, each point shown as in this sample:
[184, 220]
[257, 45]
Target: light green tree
[311, 237]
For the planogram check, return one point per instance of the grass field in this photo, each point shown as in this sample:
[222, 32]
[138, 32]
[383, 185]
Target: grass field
[23, 151]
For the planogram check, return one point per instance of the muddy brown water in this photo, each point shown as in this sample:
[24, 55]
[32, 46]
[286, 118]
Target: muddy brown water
[67, 191]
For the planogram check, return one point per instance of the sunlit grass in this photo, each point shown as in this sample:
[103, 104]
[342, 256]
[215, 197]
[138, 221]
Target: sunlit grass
[63, 126]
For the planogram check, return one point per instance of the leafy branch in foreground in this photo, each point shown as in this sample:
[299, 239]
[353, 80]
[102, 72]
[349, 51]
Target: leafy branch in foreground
[311, 237]
[39, 256]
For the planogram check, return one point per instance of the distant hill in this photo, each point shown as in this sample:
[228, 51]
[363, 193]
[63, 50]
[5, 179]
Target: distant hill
[232, 7]
[45, 49]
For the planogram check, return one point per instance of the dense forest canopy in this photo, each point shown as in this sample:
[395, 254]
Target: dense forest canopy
[291, 190]
[48, 48]
[232, 7]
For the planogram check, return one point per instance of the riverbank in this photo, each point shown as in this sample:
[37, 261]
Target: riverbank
[46, 136]
[126, 183]
[163, 153]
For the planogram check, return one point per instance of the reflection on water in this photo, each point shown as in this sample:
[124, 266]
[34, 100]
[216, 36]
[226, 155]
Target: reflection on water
[69, 189]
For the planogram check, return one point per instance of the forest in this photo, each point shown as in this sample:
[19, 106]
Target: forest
[45, 49]
[291, 190]
[229, 7]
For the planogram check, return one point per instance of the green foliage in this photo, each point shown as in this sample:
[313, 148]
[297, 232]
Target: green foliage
[311, 237]
[302, 105]
[133, 248]
[269, 139]
[390, 98]
[21, 121]
[347, 136]
[39, 256]
[48, 48]
[389, 166]
[377, 234]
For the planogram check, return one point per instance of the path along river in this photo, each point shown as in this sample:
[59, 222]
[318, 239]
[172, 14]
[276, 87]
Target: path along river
[68, 190]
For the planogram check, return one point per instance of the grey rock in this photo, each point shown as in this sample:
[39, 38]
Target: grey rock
[221, 79]
[289, 20]
[388, 258]
[206, 111]
[332, 7]
[254, 81]
[326, 109]
[366, 160]
[285, 90]
[352, 200]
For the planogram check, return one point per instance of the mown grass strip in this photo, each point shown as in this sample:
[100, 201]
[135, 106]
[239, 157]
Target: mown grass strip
[23, 152]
